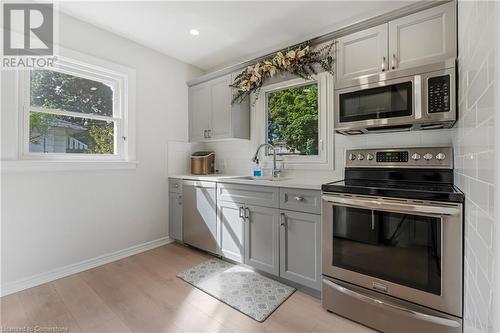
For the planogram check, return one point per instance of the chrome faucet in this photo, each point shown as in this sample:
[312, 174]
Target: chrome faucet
[276, 171]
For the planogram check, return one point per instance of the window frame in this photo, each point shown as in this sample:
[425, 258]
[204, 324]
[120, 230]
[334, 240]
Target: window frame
[324, 159]
[117, 77]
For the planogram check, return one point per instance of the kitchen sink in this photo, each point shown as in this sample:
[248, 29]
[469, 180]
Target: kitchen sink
[272, 179]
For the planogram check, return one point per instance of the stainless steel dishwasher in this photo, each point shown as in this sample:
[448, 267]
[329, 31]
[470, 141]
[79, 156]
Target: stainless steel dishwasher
[200, 215]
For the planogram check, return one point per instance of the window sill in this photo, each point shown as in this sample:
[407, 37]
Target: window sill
[44, 165]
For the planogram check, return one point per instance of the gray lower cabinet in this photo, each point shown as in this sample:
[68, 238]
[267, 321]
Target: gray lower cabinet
[262, 238]
[300, 251]
[231, 230]
[255, 231]
[175, 216]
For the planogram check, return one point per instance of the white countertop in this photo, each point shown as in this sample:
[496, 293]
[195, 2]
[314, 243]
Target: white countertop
[310, 183]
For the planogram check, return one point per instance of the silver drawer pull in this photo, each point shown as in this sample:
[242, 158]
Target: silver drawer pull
[299, 198]
[393, 307]
[176, 185]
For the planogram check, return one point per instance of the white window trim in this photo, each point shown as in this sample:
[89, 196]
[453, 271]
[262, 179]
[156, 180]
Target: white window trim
[121, 78]
[323, 161]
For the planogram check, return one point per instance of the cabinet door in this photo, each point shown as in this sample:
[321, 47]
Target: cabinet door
[262, 239]
[423, 38]
[220, 116]
[175, 216]
[231, 236]
[300, 253]
[362, 53]
[199, 111]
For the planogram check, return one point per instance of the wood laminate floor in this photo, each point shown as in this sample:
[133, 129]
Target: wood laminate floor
[142, 294]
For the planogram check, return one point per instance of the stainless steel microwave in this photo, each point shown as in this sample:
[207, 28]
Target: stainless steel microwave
[421, 101]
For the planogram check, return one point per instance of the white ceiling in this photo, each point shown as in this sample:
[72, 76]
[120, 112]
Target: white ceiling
[229, 31]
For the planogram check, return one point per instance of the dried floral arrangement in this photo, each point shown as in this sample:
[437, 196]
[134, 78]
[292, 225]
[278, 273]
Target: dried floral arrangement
[300, 60]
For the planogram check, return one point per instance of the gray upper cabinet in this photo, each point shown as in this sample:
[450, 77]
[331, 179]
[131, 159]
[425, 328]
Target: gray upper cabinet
[231, 230]
[199, 112]
[262, 238]
[423, 38]
[211, 114]
[362, 53]
[300, 248]
[419, 39]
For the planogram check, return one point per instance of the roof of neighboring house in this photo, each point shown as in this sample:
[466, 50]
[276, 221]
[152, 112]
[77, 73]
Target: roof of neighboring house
[66, 124]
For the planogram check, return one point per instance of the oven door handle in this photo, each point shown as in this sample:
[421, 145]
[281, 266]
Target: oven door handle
[415, 314]
[405, 207]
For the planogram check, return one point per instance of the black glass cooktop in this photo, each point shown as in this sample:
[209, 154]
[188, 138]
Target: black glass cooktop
[400, 189]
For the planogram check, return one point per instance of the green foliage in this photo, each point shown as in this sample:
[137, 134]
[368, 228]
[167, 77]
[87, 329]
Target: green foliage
[103, 139]
[54, 90]
[39, 125]
[293, 118]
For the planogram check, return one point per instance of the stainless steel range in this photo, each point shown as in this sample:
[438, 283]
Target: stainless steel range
[393, 241]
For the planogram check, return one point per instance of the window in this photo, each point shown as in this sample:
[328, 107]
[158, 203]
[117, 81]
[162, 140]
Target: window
[292, 120]
[70, 114]
[74, 111]
[296, 117]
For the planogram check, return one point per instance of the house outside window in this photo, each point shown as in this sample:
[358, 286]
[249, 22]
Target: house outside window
[75, 111]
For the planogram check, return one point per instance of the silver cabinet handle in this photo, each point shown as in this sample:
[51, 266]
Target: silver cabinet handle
[299, 198]
[179, 199]
[247, 213]
[283, 220]
[373, 220]
[209, 133]
[383, 205]
[176, 185]
[393, 307]
[383, 64]
[241, 213]
[393, 61]
[205, 134]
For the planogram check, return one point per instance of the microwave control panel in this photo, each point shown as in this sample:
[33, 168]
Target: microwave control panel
[438, 94]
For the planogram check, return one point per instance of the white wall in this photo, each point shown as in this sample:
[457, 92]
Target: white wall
[475, 148]
[52, 219]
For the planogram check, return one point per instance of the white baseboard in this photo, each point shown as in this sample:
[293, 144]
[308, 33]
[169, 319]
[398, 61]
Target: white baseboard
[38, 279]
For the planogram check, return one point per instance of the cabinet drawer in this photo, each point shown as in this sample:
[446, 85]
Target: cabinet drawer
[175, 185]
[252, 195]
[297, 199]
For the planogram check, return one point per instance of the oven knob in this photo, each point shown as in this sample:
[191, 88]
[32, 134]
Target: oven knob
[428, 157]
[440, 156]
[361, 157]
[369, 157]
[415, 156]
[352, 157]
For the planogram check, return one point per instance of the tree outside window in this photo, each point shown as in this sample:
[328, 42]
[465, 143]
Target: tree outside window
[85, 124]
[292, 120]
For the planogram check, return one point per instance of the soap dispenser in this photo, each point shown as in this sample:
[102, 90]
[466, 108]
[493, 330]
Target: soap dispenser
[257, 171]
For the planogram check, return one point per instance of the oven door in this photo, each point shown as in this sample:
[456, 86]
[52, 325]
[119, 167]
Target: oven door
[394, 103]
[407, 249]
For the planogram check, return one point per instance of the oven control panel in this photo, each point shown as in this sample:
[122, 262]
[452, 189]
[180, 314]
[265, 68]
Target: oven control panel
[415, 157]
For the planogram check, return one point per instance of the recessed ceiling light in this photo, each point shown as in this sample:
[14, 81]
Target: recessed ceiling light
[194, 32]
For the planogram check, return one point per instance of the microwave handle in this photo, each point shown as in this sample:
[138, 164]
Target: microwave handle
[392, 307]
[393, 205]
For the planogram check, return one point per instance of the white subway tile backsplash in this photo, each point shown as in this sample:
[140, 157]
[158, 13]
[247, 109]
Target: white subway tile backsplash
[485, 105]
[485, 166]
[475, 149]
